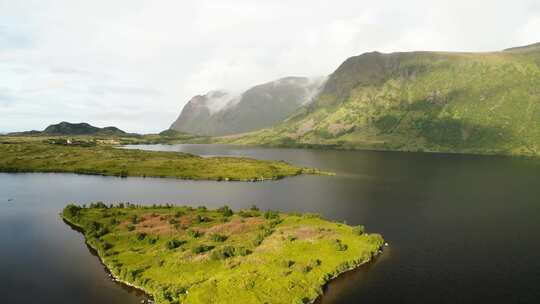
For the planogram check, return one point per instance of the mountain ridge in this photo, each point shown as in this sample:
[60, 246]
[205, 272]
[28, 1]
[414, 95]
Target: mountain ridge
[462, 102]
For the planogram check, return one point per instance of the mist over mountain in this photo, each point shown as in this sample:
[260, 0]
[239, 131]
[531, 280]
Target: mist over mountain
[485, 103]
[222, 113]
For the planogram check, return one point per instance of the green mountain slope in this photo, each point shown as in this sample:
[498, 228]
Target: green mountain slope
[486, 103]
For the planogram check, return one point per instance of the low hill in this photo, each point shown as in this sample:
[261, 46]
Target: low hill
[67, 128]
[486, 103]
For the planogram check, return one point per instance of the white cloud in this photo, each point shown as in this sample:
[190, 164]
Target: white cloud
[134, 63]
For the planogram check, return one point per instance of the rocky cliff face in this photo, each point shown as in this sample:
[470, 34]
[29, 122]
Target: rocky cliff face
[222, 113]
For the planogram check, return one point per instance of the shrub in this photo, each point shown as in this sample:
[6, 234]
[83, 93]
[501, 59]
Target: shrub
[242, 251]
[98, 205]
[358, 230]
[261, 236]
[270, 215]
[174, 243]
[339, 246]
[179, 214]
[315, 263]
[130, 227]
[218, 237]
[223, 253]
[225, 211]
[141, 236]
[201, 248]
[306, 269]
[201, 219]
[194, 233]
[72, 210]
[287, 263]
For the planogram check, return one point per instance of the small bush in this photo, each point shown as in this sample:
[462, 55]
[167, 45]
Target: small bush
[201, 248]
[223, 253]
[174, 243]
[218, 237]
[194, 233]
[225, 211]
[359, 230]
[242, 251]
[306, 269]
[72, 210]
[141, 236]
[339, 246]
[270, 215]
[288, 263]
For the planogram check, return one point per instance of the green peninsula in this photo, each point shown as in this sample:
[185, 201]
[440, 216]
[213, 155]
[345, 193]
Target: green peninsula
[196, 255]
[100, 157]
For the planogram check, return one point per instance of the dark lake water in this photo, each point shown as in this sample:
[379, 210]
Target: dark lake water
[462, 229]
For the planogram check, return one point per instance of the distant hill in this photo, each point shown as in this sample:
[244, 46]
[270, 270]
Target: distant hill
[222, 113]
[486, 103]
[66, 128]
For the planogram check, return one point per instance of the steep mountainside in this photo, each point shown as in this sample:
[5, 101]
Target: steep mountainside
[66, 128]
[221, 113]
[487, 103]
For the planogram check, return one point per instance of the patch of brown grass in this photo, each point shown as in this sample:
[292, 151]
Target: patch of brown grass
[237, 226]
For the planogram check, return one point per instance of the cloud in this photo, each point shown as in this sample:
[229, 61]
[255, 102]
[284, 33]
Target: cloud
[13, 39]
[104, 90]
[135, 63]
[6, 97]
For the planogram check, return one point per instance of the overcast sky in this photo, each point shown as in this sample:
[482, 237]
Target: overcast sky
[134, 64]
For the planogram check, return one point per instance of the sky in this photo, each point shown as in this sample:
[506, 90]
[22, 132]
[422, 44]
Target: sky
[134, 64]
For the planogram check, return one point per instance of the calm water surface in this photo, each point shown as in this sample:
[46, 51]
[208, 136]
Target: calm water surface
[462, 229]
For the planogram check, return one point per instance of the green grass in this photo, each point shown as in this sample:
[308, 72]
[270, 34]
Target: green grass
[36, 154]
[245, 257]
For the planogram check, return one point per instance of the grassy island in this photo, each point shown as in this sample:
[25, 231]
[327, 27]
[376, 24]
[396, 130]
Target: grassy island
[90, 156]
[195, 255]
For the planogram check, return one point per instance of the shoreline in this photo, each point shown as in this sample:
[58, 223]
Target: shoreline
[115, 278]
